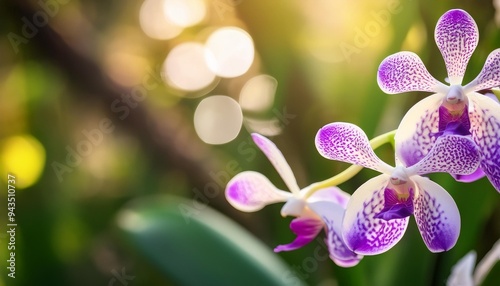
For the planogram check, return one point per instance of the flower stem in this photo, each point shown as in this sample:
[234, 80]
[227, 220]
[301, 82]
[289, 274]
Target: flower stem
[352, 170]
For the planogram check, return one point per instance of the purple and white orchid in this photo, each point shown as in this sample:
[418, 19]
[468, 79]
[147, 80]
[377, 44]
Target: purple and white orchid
[454, 109]
[250, 191]
[378, 212]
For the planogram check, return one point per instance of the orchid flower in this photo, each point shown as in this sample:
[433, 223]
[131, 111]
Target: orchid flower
[377, 214]
[454, 109]
[250, 191]
[463, 273]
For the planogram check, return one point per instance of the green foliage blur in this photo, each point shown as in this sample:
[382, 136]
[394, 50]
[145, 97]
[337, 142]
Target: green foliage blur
[143, 202]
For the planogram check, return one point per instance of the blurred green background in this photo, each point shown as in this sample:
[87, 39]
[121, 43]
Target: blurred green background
[121, 149]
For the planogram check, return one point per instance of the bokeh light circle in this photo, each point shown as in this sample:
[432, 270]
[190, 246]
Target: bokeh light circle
[185, 13]
[229, 52]
[218, 119]
[185, 67]
[257, 94]
[155, 23]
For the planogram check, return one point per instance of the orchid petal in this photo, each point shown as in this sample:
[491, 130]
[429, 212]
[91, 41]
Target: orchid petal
[250, 191]
[405, 71]
[461, 273]
[436, 214]
[489, 76]
[415, 135]
[456, 36]
[492, 96]
[294, 207]
[276, 157]
[348, 143]
[454, 154]
[332, 214]
[362, 232]
[306, 229]
[484, 115]
[331, 194]
[478, 174]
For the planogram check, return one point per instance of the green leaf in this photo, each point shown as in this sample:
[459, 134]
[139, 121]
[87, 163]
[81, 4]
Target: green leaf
[192, 244]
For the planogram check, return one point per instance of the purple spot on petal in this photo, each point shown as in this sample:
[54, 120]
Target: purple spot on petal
[434, 223]
[369, 235]
[250, 191]
[404, 71]
[485, 122]
[454, 154]
[456, 36]
[339, 252]
[414, 149]
[347, 143]
[490, 74]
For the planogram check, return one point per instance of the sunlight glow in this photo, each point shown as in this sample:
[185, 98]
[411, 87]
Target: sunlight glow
[229, 52]
[218, 119]
[416, 39]
[155, 23]
[185, 67]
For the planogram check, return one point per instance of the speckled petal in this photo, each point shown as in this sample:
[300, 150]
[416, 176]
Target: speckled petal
[478, 174]
[306, 229]
[436, 214]
[250, 191]
[454, 154]
[332, 214]
[415, 135]
[456, 36]
[348, 143]
[489, 76]
[362, 232]
[403, 72]
[276, 157]
[484, 115]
